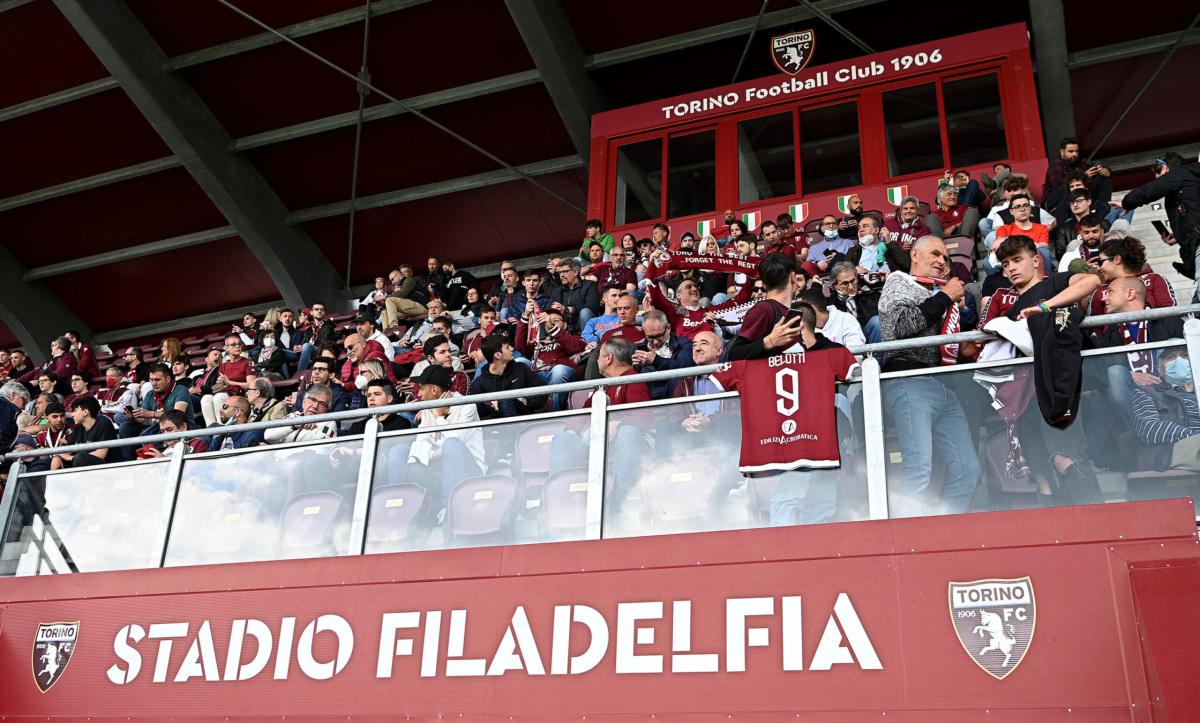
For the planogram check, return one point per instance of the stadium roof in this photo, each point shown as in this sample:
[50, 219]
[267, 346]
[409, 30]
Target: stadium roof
[172, 160]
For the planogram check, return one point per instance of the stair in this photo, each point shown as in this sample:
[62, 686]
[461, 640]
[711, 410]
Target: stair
[1158, 254]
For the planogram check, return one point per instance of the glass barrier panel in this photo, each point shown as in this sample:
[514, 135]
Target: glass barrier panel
[499, 484]
[977, 440]
[674, 468]
[266, 504]
[87, 520]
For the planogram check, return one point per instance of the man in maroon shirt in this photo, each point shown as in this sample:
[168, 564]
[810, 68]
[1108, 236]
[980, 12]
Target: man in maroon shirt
[61, 362]
[614, 272]
[545, 340]
[766, 329]
[359, 350]
[627, 446]
[627, 329]
[87, 357]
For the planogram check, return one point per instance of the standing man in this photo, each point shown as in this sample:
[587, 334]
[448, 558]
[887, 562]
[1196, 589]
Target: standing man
[1070, 160]
[929, 420]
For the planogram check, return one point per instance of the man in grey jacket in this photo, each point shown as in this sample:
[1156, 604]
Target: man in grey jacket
[929, 421]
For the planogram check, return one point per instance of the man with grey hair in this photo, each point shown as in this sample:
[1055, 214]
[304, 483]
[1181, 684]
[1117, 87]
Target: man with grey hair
[926, 414]
[13, 397]
[578, 299]
[660, 351]
[904, 227]
[317, 400]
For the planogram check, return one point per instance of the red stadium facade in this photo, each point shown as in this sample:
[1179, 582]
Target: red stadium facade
[832, 622]
[882, 126]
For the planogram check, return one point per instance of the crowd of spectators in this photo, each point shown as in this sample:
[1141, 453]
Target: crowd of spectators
[616, 309]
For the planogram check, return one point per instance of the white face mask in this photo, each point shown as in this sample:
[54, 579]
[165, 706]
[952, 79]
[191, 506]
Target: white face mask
[830, 233]
[268, 343]
[360, 382]
[867, 240]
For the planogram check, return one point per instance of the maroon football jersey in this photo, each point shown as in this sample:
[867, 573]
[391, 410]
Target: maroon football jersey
[788, 417]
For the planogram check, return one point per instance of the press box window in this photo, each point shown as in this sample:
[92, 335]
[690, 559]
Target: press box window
[914, 137]
[692, 180]
[766, 158]
[639, 182]
[829, 149]
[974, 121]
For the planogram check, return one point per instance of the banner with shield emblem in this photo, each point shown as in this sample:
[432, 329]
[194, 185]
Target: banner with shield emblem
[994, 621]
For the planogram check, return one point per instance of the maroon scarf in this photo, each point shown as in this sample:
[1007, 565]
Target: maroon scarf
[721, 264]
[950, 323]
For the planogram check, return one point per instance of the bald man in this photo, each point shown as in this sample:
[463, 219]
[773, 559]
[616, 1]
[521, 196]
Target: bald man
[1126, 294]
[235, 410]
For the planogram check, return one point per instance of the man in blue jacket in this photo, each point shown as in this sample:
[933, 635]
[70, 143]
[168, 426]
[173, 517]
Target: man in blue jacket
[661, 350]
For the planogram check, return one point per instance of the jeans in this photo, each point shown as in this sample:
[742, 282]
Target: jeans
[804, 498]
[558, 374]
[623, 463]
[585, 315]
[872, 330]
[718, 298]
[306, 354]
[930, 424]
[457, 464]
[291, 357]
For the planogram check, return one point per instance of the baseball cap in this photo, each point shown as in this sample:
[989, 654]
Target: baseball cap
[436, 375]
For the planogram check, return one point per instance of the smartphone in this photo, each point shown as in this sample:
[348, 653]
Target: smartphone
[1160, 227]
[831, 252]
[793, 313]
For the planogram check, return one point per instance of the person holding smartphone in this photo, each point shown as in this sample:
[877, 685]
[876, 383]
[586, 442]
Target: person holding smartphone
[1178, 184]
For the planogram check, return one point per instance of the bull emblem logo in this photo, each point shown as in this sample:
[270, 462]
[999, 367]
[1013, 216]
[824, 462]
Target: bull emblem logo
[792, 52]
[994, 621]
[53, 647]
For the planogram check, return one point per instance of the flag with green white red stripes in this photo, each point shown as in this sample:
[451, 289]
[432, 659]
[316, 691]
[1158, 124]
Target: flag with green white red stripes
[798, 212]
[752, 220]
[704, 228]
[896, 194]
[844, 203]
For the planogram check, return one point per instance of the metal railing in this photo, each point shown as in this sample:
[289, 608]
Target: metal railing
[871, 383]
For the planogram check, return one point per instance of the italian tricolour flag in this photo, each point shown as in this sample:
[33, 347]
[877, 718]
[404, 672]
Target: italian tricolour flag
[704, 228]
[752, 220]
[844, 203]
[798, 212]
[895, 194]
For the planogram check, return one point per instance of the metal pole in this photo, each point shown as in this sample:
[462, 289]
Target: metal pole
[836, 25]
[362, 492]
[877, 499]
[1053, 79]
[1145, 86]
[7, 503]
[750, 40]
[363, 91]
[166, 515]
[597, 449]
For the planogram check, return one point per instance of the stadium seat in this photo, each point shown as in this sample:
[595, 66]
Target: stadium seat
[877, 215]
[578, 398]
[531, 458]
[393, 510]
[232, 528]
[813, 226]
[481, 510]
[962, 257]
[679, 490]
[1164, 485]
[563, 512]
[923, 208]
[307, 524]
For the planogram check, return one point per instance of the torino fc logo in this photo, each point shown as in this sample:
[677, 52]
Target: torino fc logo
[52, 649]
[793, 51]
[994, 620]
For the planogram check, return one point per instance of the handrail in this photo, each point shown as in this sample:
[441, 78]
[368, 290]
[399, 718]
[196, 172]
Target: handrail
[649, 377]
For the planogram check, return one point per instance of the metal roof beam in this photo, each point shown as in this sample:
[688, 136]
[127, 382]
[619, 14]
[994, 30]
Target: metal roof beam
[403, 195]
[420, 102]
[438, 188]
[295, 30]
[551, 42]
[714, 33]
[30, 311]
[132, 252]
[159, 328]
[298, 268]
[1131, 49]
[84, 184]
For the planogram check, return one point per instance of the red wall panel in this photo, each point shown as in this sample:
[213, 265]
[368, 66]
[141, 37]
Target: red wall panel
[41, 54]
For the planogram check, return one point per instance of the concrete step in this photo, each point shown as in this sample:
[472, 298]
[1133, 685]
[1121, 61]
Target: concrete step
[1158, 254]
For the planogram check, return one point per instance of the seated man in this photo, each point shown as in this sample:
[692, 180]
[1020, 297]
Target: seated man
[531, 288]
[175, 421]
[906, 225]
[1166, 418]
[545, 340]
[364, 324]
[166, 395]
[577, 298]
[406, 301]
[380, 393]
[953, 217]
[832, 248]
[90, 426]
[416, 335]
[321, 372]
[831, 322]
[236, 373]
[628, 445]
[318, 398]
[846, 226]
[236, 410]
[607, 320]
[874, 254]
[56, 433]
[1120, 256]
[854, 297]
[439, 460]
[1084, 246]
[501, 374]
[660, 350]
[454, 293]
[627, 328]
[1022, 207]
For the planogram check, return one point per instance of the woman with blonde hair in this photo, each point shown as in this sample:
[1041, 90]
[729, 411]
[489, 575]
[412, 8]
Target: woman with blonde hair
[172, 349]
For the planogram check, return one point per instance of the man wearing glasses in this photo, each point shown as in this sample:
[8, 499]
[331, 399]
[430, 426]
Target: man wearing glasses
[321, 372]
[317, 400]
[854, 297]
[236, 410]
[1124, 258]
[578, 299]
[1021, 205]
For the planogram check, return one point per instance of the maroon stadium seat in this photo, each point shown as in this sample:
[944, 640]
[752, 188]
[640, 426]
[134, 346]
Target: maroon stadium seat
[531, 459]
[563, 512]
[394, 509]
[680, 490]
[481, 510]
[307, 524]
